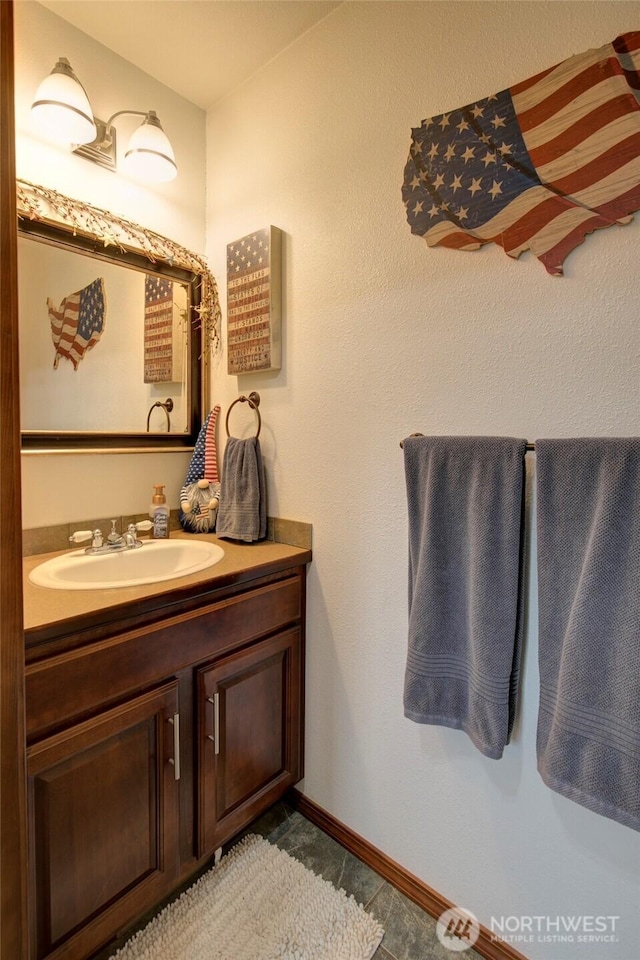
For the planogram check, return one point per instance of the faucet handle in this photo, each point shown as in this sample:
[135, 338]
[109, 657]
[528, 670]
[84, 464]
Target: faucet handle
[94, 535]
[80, 536]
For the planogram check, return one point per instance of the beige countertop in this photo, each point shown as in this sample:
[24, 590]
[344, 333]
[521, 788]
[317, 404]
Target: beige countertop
[44, 606]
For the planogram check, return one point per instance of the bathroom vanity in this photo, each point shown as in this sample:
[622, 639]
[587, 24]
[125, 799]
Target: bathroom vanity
[161, 720]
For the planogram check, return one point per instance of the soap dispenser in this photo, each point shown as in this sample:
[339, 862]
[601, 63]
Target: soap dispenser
[159, 513]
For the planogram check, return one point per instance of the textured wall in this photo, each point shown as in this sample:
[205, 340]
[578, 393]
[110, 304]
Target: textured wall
[383, 337]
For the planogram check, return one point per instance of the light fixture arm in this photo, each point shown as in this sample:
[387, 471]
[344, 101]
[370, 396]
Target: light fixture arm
[129, 113]
[106, 135]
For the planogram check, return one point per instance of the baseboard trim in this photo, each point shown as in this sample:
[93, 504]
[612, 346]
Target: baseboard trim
[415, 889]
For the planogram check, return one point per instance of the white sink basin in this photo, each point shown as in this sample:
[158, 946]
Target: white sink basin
[154, 561]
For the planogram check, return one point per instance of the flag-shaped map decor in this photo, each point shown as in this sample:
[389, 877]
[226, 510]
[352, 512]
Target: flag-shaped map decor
[254, 275]
[535, 167]
[158, 330]
[77, 324]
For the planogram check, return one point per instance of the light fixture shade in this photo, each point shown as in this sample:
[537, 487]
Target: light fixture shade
[150, 154]
[61, 108]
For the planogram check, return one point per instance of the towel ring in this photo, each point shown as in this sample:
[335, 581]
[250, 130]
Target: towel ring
[167, 406]
[254, 402]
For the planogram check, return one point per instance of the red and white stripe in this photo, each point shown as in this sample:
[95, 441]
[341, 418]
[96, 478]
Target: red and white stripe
[210, 449]
[580, 121]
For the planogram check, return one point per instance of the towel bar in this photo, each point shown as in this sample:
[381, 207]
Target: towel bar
[254, 402]
[530, 446]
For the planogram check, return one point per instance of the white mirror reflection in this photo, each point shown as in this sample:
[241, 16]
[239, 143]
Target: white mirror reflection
[104, 346]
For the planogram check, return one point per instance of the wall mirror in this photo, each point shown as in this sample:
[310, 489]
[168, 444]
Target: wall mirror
[116, 328]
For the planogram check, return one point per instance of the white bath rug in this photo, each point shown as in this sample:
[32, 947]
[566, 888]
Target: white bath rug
[258, 904]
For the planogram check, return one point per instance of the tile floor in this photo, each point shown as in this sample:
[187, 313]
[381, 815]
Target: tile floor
[410, 933]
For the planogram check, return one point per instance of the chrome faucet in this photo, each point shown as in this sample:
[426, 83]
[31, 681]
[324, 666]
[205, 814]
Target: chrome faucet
[115, 541]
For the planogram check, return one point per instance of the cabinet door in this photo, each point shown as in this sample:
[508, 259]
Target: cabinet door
[103, 809]
[249, 735]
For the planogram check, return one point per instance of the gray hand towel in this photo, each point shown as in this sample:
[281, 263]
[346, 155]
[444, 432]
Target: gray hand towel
[242, 514]
[465, 499]
[589, 611]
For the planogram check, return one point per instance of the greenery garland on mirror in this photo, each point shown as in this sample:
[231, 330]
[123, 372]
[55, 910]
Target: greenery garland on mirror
[42, 203]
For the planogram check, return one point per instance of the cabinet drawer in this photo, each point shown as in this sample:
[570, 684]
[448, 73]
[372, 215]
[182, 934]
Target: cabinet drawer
[75, 683]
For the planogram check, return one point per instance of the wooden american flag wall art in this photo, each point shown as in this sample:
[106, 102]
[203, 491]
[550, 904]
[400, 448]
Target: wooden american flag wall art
[537, 166]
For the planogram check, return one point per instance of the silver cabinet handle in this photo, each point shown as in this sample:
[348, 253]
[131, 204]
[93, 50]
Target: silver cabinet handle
[175, 759]
[215, 700]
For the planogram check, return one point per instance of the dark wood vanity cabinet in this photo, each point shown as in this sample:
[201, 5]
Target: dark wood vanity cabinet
[249, 734]
[149, 748]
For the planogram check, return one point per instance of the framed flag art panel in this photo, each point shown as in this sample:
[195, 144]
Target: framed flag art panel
[254, 302]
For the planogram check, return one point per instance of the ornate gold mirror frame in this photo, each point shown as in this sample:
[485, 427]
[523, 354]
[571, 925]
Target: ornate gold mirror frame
[56, 218]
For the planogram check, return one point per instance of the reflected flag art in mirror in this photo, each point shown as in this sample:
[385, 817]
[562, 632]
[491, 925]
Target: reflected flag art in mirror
[537, 166]
[77, 324]
[164, 332]
[158, 329]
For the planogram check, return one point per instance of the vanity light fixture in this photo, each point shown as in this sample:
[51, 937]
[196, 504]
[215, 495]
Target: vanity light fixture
[61, 109]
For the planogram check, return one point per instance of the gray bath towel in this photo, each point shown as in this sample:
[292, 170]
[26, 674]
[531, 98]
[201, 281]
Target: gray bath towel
[242, 514]
[589, 609]
[465, 498]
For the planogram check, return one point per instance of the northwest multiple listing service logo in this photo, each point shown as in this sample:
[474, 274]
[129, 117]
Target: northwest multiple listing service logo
[457, 929]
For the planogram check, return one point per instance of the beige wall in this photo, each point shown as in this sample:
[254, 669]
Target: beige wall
[383, 336]
[59, 489]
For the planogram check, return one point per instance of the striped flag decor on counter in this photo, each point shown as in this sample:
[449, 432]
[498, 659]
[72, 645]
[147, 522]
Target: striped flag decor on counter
[77, 324]
[535, 167]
